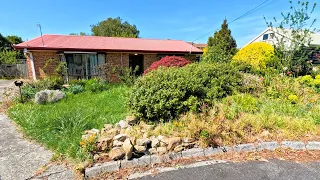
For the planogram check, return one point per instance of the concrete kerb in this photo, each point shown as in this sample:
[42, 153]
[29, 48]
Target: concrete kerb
[197, 152]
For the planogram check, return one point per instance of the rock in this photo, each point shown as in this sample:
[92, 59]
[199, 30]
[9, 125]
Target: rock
[128, 148]
[145, 135]
[123, 124]
[120, 137]
[152, 151]
[92, 131]
[107, 127]
[48, 96]
[188, 140]
[265, 133]
[133, 140]
[117, 143]
[123, 131]
[188, 145]
[117, 126]
[131, 120]
[178, 148]
[155, 143]
[110, 133]
[104, 143]
[140, 149]
[173, 142]
[161, 150]
[143, 142]
[117, 153]
[163, 144]
[96, 157]
[85, 136]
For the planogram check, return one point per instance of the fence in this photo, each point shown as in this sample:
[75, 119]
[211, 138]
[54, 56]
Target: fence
[19, 70]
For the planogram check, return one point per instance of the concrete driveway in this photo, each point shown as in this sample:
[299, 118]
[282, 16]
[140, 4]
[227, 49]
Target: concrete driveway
[274, 169]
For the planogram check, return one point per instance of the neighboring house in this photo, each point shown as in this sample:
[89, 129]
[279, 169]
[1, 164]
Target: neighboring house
[270, 36]
[85, 54]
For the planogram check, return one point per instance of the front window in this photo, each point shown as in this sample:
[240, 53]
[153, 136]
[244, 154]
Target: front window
[265, 36]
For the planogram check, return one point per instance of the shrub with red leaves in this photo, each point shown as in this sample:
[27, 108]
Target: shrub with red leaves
[168, 61]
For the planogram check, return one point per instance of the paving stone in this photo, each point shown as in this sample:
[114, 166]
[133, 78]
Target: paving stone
[271, 146]
[174, 155]
[193, 152]
[106, 167]
[313, 145]
[295, 145]
[244, 147]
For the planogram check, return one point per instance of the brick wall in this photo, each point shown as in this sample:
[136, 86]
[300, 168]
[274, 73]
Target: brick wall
[39, 60]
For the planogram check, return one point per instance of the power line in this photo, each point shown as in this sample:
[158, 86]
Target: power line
[258, 7]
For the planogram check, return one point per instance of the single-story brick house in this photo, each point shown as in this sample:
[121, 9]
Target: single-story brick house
[85, 54]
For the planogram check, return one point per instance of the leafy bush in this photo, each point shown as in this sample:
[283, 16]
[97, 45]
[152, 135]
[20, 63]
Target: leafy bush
[168, 92]
[28, 92]
[96, 85]
[50, 82]
[251, 83]
[75, 89]
[81, 82]
[126, 75]
[168, 61]
[259, 55]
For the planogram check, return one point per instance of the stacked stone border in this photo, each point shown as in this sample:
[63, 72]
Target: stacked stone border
[147, 160]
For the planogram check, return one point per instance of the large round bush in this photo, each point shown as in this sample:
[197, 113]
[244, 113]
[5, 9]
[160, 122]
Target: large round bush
[168, 61]
[258, 55]
[169, 92]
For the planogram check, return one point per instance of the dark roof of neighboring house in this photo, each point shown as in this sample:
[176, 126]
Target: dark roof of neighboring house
[114, 44]
[200, 45]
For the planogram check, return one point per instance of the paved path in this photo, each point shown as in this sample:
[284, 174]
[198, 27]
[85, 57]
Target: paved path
[19, 158]
[275, 169]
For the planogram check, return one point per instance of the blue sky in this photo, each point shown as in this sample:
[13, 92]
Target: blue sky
[166, 19]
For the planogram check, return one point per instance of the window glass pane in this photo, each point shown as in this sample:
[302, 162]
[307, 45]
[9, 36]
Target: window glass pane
[265, 36]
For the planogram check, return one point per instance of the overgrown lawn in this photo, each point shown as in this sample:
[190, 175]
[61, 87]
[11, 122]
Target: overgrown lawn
[59, 126]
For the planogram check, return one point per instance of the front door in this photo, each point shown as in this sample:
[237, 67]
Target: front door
[136, 61]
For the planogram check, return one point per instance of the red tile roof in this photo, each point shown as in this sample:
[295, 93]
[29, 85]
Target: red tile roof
[96, 43]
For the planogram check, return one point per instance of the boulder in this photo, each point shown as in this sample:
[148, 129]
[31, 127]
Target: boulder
[120, 137]
[110, 133]
[117, 153]
[143, 142]
[92, 131]
[155, 143]
[133, 140]
[188, 145]
[173, 142]
[131, 120]
[188, 140]
[123, 124]
[104, 143]
[107, 127]
[178, 149]
[48, 96]
[140, 149]
[117, 143]
[128, 148]
[153, 150]
[161, 150]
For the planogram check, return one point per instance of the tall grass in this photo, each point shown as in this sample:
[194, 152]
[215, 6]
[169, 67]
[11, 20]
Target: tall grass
[59, 126]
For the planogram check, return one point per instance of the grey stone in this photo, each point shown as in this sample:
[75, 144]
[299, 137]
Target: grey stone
[103, 168]
[123, 124]
[117, 143]
[295, 145]
[271, 146]
[48, 96]
[120, 137]
[226, 149]
[161, 150]
[174, 155]
[152, 150]
[193, 152]
[313, 145]
[212, 151]
[155, 142]
[140, 149]
[244, 147]
[143, 142]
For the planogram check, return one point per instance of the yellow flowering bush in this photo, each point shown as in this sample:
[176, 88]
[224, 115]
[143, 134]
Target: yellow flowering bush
[293, 98]
[258, 55]
[87, 144]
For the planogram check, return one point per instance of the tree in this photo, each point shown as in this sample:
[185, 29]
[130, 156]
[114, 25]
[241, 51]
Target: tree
[222, 46]
[293, 38]
[115, 27]
[4, 43]
[14, 39]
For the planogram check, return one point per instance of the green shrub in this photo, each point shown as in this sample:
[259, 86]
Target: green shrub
[28, 92]
[81, 82]
[167, 92]
[75, 89]
[96, 85]
[50, 83]
[126, 75]
[251, 83]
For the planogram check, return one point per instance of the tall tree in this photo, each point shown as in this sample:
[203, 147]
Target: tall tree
[115, 27]
[4, 43]
[14, 39]
[222, 46]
